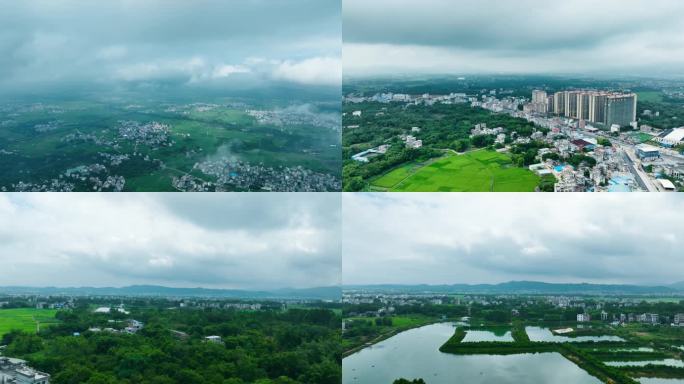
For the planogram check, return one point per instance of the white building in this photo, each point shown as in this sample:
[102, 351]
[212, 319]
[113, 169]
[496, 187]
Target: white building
[672, 138]
[214, 339]
[15, 371]
[412, 142]
[583, 317]
[679, 318]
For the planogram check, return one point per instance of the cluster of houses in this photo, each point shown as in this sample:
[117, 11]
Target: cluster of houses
[132, 327]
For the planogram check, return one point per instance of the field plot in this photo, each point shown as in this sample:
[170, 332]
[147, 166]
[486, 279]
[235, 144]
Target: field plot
[479, 171]
[25, 319]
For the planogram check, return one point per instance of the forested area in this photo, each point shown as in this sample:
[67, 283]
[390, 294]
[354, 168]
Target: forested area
[443, 128]
[267, 346]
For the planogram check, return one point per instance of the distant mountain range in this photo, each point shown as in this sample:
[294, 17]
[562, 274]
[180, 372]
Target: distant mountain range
[320, 293]
[527, 287]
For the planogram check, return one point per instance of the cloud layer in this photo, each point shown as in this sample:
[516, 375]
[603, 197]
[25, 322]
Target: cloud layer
[527, 36]
[481, 238]
[48, 42]
[249, 241]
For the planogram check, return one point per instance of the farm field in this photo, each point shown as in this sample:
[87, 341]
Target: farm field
[478, 171]
[25, 319]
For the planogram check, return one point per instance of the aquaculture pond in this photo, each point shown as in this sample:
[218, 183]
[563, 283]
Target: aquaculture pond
[545, 334]
[668, 362]
[486, 335]
[657, 380]
[415, 354]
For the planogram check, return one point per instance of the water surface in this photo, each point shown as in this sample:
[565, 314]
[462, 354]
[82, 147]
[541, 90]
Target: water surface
[668, 362]
[415, 353]
[655, 380]
[545, 334]
[476, 336]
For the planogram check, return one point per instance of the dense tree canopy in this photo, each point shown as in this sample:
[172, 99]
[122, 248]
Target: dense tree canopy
[266, 347]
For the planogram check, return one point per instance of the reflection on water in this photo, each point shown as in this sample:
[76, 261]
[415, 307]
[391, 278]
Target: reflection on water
[654, 380]
[415, 353]
[545, 334]
[669, 362]
[475, 336]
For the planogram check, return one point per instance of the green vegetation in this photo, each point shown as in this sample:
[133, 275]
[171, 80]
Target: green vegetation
[643, 342]
[270, 346]
[651, 370]
[444, 130]
[26, 319]
[670, 111]
[405, 381]
[472, 172]
[650, 96]
[361, 331]
[80, 132]
[518, 332]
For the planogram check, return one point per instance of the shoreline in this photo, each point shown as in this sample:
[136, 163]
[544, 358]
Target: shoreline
[387, 335]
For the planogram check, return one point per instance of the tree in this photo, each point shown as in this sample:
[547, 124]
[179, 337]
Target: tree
[461, 145]
[354, 184]
[404, 381]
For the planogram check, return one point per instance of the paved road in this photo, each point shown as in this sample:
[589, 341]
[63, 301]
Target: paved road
[641, 177]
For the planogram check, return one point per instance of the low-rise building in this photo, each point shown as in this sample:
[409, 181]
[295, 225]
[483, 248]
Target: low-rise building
[647, 152]
[213, 339]
[16, 371]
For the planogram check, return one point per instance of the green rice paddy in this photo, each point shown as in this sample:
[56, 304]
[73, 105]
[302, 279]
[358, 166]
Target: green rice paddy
[478, 171]
[25, 319]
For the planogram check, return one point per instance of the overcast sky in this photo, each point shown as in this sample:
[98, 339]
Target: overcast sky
[223, 240]
[526, 36]
[199, 42]
[475, 238]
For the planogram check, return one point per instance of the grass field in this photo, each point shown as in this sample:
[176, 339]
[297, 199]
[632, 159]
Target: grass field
[478, 171]
[650, 96]
[25, 319]
[641, 137]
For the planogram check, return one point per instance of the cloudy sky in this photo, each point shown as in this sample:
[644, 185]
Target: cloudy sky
[246, 241]
[472, 238]
[525, 36]
[47, 43]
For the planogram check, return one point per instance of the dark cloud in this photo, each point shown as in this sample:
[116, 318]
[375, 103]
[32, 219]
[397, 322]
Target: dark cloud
[55, 42]
[528, 36]
[218, 211]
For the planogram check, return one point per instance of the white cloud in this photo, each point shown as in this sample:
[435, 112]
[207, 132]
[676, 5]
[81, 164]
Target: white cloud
[313, 71]
[46, 44]
[490, 238]
[99, 239]
[227, 70]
